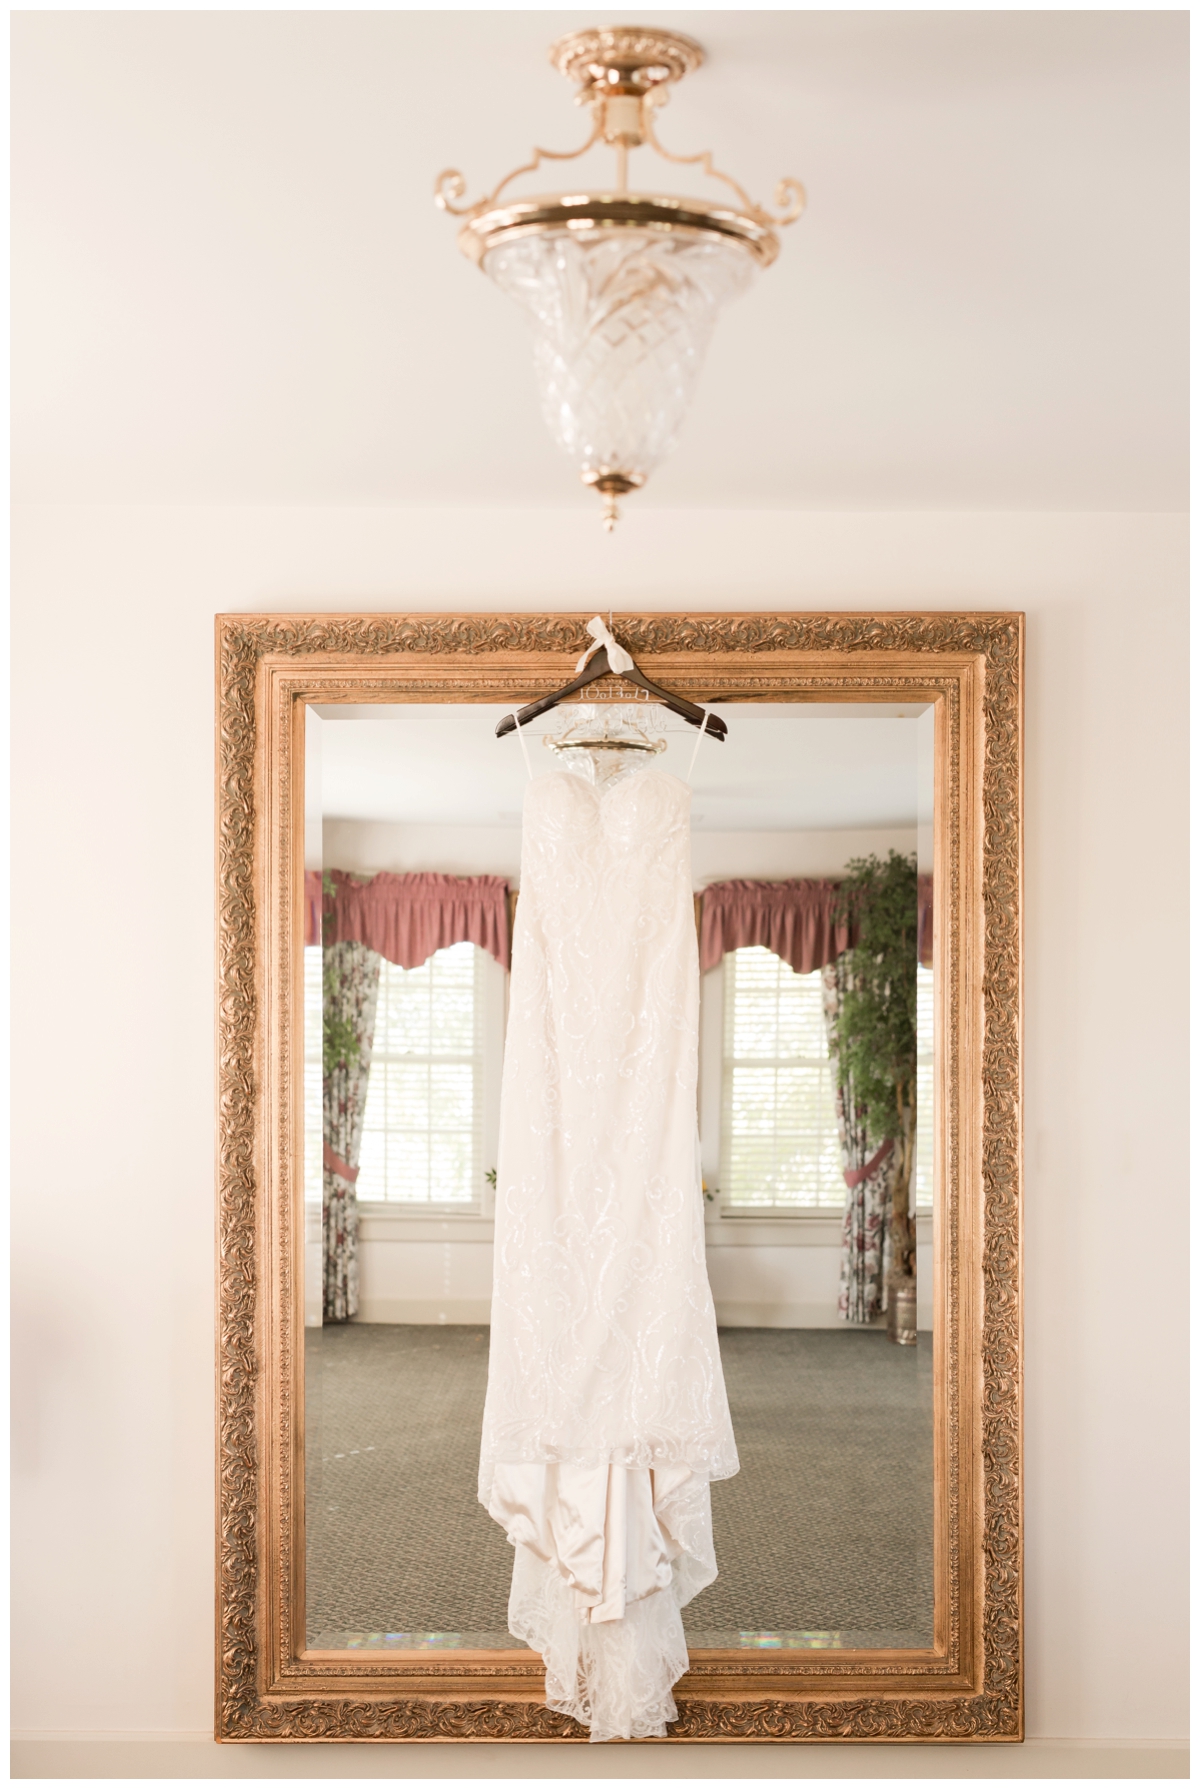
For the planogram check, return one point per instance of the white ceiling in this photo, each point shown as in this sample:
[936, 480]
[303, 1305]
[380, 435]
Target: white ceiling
[231, 284]
[783, 767]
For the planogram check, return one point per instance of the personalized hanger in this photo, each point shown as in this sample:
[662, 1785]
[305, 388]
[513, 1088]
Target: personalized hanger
[604, 656]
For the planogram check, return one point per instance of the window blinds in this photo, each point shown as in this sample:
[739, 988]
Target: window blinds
[779, 1128]
[421, 1128]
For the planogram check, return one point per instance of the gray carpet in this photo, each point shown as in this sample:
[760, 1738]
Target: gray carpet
[823, 1538]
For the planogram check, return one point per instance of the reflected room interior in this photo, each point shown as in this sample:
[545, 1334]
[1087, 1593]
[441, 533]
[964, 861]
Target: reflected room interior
[412, 857]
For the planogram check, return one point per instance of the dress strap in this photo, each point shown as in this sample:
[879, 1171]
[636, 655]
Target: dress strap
[696, 747]
[524, 747]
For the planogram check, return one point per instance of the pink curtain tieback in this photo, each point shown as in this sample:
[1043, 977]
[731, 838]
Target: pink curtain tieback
[855, 1176]
[337, 1166]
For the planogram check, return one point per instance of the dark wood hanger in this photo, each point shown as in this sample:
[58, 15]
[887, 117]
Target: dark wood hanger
[598, 666]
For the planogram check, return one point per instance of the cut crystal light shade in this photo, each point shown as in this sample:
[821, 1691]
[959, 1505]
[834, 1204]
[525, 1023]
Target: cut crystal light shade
[622, 319]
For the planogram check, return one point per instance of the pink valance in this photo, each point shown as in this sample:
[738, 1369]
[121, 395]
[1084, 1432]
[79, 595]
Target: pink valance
[407, 918]
[793, 919]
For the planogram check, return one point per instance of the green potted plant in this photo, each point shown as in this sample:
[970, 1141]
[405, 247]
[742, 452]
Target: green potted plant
[877, 1040]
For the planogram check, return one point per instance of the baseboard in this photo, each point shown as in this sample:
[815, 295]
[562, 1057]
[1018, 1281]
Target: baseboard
[731, 1314]
[739, 1314]
[144, 1756]
[424, 1310]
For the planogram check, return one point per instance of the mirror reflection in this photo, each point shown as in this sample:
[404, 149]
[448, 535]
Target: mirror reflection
[807, 841]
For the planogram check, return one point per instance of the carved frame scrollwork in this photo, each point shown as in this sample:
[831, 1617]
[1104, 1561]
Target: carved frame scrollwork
[968, 1686]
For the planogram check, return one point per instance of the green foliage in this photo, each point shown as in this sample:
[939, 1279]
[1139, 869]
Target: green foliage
[877, 1031]
[329, 893]
[339, 1042]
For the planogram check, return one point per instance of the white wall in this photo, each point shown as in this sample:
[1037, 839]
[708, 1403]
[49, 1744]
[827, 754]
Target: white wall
[113, 1214]
[774, 855]
[765, 1273]
[432, 1269]
[782, 1273]
[366, 846]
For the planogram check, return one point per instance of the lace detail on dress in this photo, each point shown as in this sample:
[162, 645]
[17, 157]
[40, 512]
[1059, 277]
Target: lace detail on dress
[604, 1344]
[615, 1676]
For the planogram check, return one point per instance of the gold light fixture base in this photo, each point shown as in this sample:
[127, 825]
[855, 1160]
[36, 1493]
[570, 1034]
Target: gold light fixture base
[624, 59]
[623, 74]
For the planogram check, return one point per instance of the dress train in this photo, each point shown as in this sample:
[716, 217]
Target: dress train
[606, 1557]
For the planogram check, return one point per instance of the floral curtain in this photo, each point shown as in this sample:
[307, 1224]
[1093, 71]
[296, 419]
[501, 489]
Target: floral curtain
[862, 1291]
[351, 991]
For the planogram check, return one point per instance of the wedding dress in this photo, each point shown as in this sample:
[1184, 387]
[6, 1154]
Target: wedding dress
[606, 1418]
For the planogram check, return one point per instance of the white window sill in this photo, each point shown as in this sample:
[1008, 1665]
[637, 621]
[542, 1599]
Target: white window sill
[379, 1222]
[384, 1222]
[404, 1208]
[798, 1229]
[799, 1214]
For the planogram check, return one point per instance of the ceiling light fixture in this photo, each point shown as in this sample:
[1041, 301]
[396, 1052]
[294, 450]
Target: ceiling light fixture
[623, 287]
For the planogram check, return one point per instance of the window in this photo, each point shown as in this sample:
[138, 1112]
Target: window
[421, 1128]
[779, 1139]
[923, 1166]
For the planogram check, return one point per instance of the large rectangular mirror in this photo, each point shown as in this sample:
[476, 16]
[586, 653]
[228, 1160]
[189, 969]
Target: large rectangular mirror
[832, 830]
[824, 1537]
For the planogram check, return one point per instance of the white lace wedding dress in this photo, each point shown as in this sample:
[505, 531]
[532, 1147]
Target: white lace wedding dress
[606, 1417]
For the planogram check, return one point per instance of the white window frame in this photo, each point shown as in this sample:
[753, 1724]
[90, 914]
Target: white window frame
[480, 1204]
[824, 1209]
[711, 1107]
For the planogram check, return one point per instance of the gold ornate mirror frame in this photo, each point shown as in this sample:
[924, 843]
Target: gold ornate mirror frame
[968, 1686]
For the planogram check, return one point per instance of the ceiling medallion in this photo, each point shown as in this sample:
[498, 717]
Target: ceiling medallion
[623, 287]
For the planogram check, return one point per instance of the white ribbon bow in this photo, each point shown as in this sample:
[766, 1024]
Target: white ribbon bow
[618, 659]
